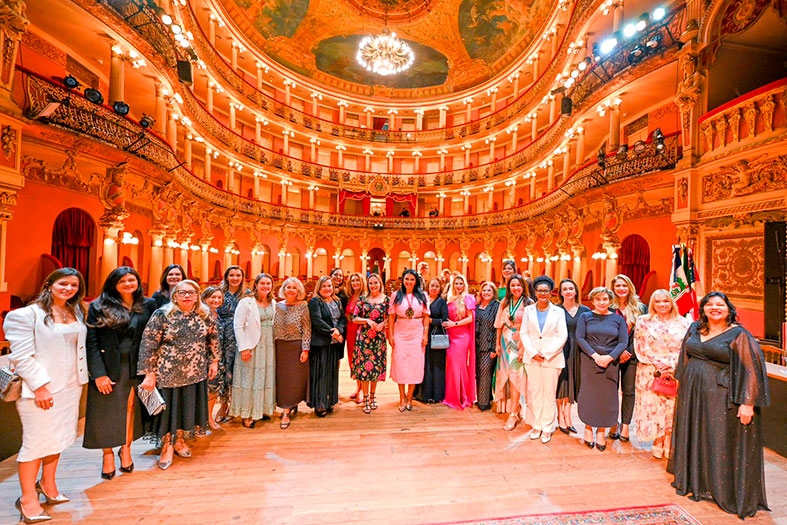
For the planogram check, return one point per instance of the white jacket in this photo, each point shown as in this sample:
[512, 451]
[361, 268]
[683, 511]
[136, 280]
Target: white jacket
[549, 341]
[37, 351]
[247, 323]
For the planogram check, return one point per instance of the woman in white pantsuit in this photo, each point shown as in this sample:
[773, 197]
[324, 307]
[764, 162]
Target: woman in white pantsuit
[48, 352]
[541, 342]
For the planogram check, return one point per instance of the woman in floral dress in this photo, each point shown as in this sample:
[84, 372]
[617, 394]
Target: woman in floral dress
[368, 361]
[657, 341]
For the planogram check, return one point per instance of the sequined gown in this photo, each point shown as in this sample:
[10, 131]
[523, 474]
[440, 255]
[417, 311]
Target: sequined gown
[714, 456]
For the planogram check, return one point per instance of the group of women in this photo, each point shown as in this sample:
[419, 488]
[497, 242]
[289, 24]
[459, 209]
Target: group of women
[250, 351]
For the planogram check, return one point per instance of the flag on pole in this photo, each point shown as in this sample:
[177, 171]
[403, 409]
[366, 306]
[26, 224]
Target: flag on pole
[682, 281]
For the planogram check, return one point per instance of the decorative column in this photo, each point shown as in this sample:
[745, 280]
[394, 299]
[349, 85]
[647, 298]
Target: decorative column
[342, 110]
[187, 150]
[614, 126]
[209, 102]
[532, 185]
[315, 109]
[515, 79]
[367, 165]
[468, 102]
[535, 59]
[172, 130]
[442, 152]
[490, 197]
[156, 258]
[260, 68]
[116, 74]
[392, 118]
[109, 253]
[466, 148]
[368, 110]
[288, 84]
[169, 256]
[550, 175]
[257, 185]
[111, 194]
[419, 119]
[533, 125]
[417, 158]
[491, 142]
[441, 205]
[160, 124]
[235, 52]
[580, 136]
[611, 262]
[566, 161]
[287, 134]
[312, 189]
[511, 193]
[282, 254]
[443, 112]
[208, 161]
[493, 92]
[258, 122]
[390, 156]
[464, 260]
[314, 153]
[617, 15]
[233, 108]
[466, 195]
[341, 148]
[513, 132]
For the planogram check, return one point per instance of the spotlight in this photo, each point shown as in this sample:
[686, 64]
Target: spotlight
[642, 22]
[639, 147]
[146, 121]
[658, 138]
[595, 52]
[584, 64]
[654, 41]
[629, 30]
[70, 82]
[602, 158]
[659, 13]
[608, 44]
[121, 108]
[636, 54]
[94, 96]
[176, 29]
[165, 18]
[622, 153]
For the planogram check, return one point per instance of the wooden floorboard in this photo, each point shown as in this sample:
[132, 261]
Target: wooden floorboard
[433, 464]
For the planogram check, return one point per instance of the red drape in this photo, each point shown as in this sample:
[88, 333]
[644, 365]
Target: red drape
[356, 196]
[635, 259]
[72, 238]
[408, 198]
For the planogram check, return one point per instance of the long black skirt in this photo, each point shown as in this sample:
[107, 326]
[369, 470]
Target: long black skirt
[324, 376]
[105, 414]
[484, 377]
[187, 409]
[598, 395]
[432, 390]
[292, 376]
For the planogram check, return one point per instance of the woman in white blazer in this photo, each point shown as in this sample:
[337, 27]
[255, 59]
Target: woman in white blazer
[541, 342]
[48, 352]
[254, 378]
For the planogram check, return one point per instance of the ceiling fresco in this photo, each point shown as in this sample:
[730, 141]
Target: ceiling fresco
[457, 43]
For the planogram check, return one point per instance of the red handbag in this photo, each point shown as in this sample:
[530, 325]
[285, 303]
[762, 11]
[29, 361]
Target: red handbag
[666, 386]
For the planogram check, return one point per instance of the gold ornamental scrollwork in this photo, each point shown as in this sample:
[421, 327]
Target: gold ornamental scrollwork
[746, 177]
[378, 187]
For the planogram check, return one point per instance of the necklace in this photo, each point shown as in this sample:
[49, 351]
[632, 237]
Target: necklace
[63, 316]
[512, 313]
[409, 312]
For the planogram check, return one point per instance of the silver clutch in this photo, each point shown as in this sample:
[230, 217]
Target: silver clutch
[439, 341]
[10, 385]
[152, 400]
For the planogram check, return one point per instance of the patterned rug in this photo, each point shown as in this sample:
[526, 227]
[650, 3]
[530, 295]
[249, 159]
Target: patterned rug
[652, 515]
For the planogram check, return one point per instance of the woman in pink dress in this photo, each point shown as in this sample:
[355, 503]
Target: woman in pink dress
[460, 356]
[408, 322]
[355, 288]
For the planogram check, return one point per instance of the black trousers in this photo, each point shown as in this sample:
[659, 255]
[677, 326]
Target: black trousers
[628, 385]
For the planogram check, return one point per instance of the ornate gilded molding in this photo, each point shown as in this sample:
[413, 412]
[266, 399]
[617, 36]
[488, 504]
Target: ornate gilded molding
[745, 178]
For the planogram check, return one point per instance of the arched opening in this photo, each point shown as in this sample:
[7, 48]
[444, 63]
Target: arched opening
[453, 262]
[235, 257]
[403, 262]
[320, 262]
[265, 265]
[73, 240]
[634, 259]
[431, 259]
[376, 263]
[480, 268]
[292, 264]
[347, 261]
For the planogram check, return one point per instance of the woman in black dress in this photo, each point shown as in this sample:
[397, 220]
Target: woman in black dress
[717, 432]
[328, 325]
[568, 382]
[171, 276]
[234, 287]
[115, 322]
[485, 343]
[432, 390]
[602, 336]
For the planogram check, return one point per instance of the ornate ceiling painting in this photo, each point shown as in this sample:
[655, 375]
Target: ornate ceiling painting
[457, 43]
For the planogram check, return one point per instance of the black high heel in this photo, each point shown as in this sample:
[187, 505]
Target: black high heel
[108, 475]
[563, 430]
[589, 444]
[615, 435]
[129, 469]
[624, 439]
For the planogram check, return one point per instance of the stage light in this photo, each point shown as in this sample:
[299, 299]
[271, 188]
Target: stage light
[70, 82]
[654, 41]
[165, 17]
[639, 147]
[94, 96]
[659, 13]
[623, 151]
[602, 158]
[595, 52]
[636, 54]
[642, 22]
[629, 30]
[121, 108]
[176, 29]
[584, 64]
[146, 121]
[658, 138]
[608, 44]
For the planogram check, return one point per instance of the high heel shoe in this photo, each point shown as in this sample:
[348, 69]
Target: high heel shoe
[409, 406]
[601, 448]
[624, 439]
[563, 430]
[129, 469]
[367, 408]
[108, 475]
[589, 444]
[163, 465]
[511, 422]
[30, 519]
[183, 451]
[373, 401]
[60, 498]
[615, 435]
[572, 430]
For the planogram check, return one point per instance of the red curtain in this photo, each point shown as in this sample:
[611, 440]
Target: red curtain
[356, 196]
[634, 259]
[72, 238]
[409, 199]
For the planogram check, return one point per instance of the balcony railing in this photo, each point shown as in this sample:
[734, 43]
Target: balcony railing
[743, 120]
[53, 104]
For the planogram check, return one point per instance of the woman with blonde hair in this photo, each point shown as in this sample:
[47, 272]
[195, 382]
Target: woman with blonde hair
[178, 354]
[48, 353]
[354, 289]
[368, 362]
[292, 334]
[328, 326]
[626, 303]
[657, 342]
[460, 356]
[254, 381]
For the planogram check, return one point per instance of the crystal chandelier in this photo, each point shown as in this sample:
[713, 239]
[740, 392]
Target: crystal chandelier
[384, 54]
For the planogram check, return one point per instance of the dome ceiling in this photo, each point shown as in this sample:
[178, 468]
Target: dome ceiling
[457, 43]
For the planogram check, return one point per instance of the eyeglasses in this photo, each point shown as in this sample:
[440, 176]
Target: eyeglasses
[186, 293]
[543, 292]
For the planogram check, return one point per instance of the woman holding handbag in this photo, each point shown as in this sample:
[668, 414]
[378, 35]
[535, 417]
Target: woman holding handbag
[657, 341]
[48, 353]
[115, 323]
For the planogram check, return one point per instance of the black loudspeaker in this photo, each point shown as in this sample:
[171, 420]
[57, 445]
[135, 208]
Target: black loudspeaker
[566, 106]
[184, 72]
[774, 279]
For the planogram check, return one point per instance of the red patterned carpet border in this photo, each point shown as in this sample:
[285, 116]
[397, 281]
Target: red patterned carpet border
[651, 515]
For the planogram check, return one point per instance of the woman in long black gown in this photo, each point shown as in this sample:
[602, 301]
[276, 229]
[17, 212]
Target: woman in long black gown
[717, 431]
[432, 390]
[486, 344]
[327, 347]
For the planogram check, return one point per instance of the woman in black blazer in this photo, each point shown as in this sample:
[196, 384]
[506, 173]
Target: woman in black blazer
[115, 322]
[328, 325]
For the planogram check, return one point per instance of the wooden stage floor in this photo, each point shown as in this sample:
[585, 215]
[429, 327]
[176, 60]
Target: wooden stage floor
[433, 464]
